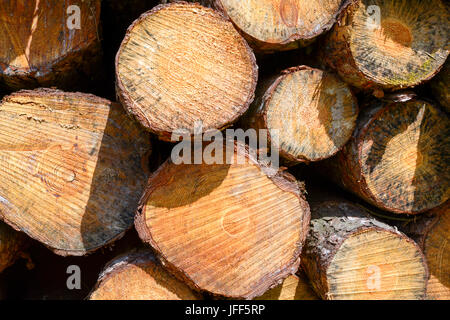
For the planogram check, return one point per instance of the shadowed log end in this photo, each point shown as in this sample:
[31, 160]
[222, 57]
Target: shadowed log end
[72, 168]
[138, 276]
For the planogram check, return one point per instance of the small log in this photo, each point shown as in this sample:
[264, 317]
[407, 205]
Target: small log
[440, 87]
[309, 114]
[11, 245]
[181, 63]
[295, 287]
[397, 158]
[350, 255]
[389, 44]
[235, 230]
[432, 234]
[49, 43]
[138, 276]
[273, 25]
[72, 168]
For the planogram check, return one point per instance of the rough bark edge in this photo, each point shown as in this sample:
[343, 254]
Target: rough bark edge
[293, 42]
[320, 283]
[124, 98]
[55, 92]
[260, 114]
[285, 181]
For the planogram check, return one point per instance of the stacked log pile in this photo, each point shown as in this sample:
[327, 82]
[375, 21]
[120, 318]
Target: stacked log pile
[212, 217]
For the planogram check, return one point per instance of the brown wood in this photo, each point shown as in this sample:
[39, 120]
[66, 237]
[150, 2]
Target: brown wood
[311, 113]
[350, 255]
[138, 276]
[37, 48]
[181, 63]
[273, 25]
[432, 233]
[402, 44]
[234, 230]
[295, 287]
[11, 245]
[397, 158]
[72, 168]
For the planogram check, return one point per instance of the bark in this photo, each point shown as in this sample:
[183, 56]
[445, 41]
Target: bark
[182, 64]
[309, 114]
[396, 159]
[73, 168]
[138, 276]
[43, 44]
[11, 245]
[387, 44]
[270, 25]
[350, 255]
[239, 228]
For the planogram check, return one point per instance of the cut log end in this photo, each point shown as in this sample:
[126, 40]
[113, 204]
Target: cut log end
[404, 157]
[281, 25]
[389, 45]
[349, 255]
[437, 252]
[228, 229]
[72, 168]
[138, 276]
[181, 63]
[397, 159]
[46, 43]
[310, 113]
[11, 245]
[293, 288]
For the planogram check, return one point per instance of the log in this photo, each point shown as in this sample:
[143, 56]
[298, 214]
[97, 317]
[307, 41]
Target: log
[389, 45]
[138, 276]
[440, 87]
[270, 25]
[397, 158]
[181, 63]
[234, 229]
[72, 168]
[432, 233]
[11, 245]
[309, 114]
[350, 255]
[43, 43]
[295, 287]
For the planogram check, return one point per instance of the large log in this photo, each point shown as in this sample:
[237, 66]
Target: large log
[440, 87]
[181, 63]
[11, 245]
[271, 25]
[295, 287]
[138, 276]
[397, 158]
[234, 229]
[432, 234]
[72, 168]
[309, 114]
[49, 43]
[350, 255]
[389, 44]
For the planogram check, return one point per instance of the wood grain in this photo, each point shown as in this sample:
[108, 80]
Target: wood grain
[72, 168]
